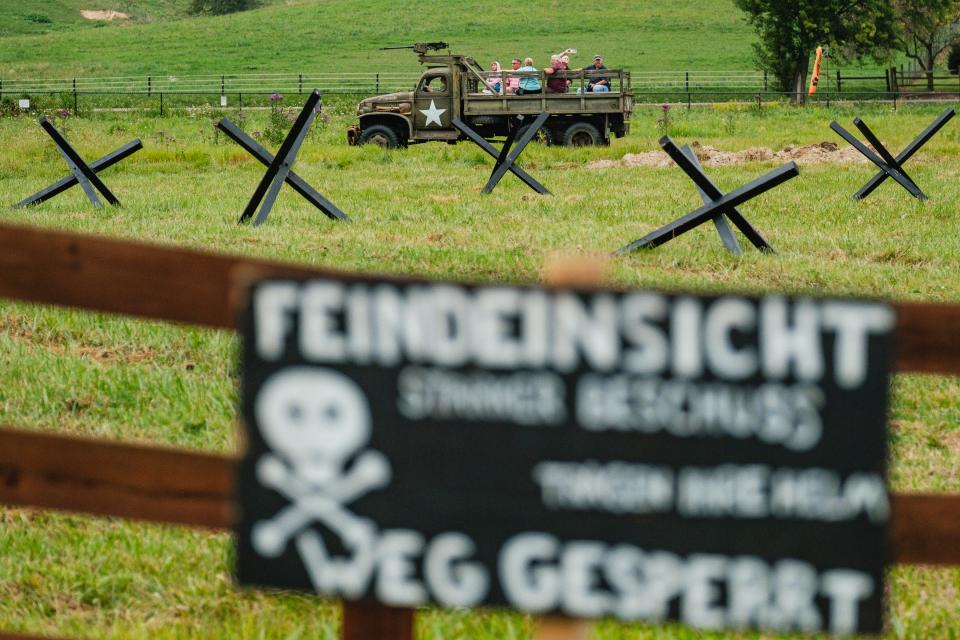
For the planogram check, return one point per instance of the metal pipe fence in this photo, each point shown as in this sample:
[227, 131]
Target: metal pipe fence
[675, 87]
[295, 83]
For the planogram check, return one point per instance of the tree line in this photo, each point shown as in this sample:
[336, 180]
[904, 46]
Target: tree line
[790, 30]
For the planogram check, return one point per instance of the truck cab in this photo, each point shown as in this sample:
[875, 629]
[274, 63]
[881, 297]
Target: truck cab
[455, 85]
[434, 105]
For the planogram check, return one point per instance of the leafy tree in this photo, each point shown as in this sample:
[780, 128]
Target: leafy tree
[790, 30]
[220, 7]
[930, 27]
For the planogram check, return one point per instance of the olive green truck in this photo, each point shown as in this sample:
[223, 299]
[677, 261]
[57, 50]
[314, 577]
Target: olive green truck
[455, 86]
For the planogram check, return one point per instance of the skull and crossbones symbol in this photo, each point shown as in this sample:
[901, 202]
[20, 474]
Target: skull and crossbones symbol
[315, 420]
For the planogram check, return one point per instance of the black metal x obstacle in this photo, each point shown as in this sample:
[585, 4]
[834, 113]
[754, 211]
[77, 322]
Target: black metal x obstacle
[507, 157]
[890, 167]
[80, 172]
[716, 204]
[279, 167]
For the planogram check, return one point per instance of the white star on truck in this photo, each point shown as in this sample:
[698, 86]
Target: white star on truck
[432, 114]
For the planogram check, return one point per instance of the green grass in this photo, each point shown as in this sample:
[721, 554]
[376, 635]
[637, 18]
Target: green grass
[419, 212]
[327, 36]
[56, 16]
[47, 39]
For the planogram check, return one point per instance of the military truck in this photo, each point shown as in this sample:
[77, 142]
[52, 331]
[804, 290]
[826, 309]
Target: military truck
[454, 85]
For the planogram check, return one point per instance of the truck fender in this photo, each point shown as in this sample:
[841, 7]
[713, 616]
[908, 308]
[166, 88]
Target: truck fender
[391, 119]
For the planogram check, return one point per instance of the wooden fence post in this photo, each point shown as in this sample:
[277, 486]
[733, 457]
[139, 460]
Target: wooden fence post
[565, 270]
[563, 629]
[366, 620]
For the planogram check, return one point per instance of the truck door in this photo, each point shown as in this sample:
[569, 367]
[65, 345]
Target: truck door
[433, 102]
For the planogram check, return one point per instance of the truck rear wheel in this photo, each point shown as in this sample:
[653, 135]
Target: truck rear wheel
[581, 134]
[543, 136]
[380, 135]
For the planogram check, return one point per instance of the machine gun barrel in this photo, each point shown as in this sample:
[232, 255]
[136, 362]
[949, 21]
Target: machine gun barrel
[421, 47]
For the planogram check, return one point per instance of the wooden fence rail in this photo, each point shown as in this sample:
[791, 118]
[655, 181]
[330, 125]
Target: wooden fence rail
[186, 488]
[196, 489]
[194, 287]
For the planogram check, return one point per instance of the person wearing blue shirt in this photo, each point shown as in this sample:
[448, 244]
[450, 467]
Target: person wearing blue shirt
[528, 84]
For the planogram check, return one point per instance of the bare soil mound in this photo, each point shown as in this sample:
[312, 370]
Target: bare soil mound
[712, 157]
[94, 14]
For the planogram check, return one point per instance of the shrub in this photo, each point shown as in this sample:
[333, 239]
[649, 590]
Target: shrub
[665, 121]
[38, 18]
[279, 121]
[220, 7]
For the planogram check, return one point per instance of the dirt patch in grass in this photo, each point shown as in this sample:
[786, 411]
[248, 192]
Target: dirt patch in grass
[712, 157]
[436, 238]
[952, 441]
[897, 256]
[20, 329]
[109, 16]
[103, 355]
[610, 164]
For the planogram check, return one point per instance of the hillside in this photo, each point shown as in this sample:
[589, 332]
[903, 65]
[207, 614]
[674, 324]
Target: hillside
[321, 35]
[39, 17]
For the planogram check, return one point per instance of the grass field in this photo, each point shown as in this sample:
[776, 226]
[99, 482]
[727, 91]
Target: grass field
[419, 211]
[309, 35]
[56, 16]
[49, 40]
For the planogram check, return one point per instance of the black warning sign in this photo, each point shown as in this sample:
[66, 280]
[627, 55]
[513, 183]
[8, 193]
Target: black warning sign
[715, 460]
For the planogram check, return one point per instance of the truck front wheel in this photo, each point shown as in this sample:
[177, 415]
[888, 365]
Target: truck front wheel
[581, 134]
[380, 135]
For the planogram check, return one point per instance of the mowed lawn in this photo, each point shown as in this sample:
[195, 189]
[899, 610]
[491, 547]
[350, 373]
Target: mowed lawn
[420, 212]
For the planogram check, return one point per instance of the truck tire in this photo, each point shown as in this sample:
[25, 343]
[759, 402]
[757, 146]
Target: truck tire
[380, 135]
[582, 134]
[544, 136]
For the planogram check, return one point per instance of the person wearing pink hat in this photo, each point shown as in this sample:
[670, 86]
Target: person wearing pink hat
[494, 79]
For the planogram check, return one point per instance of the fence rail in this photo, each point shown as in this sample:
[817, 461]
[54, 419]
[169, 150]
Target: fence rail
[194, 287]
[347, 83]
[726, 83]
[171, 486]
